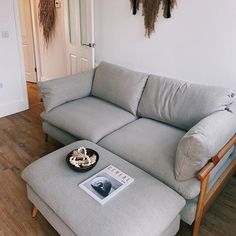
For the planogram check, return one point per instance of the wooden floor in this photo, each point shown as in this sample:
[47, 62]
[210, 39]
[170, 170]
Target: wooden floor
[22, 142]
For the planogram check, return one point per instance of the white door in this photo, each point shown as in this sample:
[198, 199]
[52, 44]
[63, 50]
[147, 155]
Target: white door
[27, 40]
[80, 35]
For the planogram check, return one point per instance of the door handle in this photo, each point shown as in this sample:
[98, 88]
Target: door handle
[91, 45]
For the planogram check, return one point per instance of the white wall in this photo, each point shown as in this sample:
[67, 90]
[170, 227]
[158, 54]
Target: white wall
[197, 44]
[13, 95]
[53, 60]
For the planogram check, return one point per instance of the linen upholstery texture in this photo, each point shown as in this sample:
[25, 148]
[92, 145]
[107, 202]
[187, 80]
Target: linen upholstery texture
[58, 91]
[151, 146]
[189, 211]
[88, 118]
[64, 230]
[58, 134]
[49, 214]
[140, 209]
[180, 103]
[119, 85]
[173, 228]
[150, 150]
[204, 141]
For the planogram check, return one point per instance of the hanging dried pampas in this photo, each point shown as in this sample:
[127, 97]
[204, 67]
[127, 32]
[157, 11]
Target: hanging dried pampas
[47, 18]
[150, 11]
[135, 5]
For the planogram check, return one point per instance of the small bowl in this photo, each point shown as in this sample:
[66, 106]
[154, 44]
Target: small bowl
[90, 152]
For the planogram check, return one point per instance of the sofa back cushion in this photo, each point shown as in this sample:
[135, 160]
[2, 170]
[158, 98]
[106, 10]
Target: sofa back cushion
[119, 86]
[180, 103]
[58, 91]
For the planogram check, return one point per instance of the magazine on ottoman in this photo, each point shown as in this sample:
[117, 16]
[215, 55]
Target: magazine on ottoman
[106, 184]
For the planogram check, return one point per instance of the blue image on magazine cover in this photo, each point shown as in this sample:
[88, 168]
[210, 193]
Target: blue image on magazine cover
[102, 185]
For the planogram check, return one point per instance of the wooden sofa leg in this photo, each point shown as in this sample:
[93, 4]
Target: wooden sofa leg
[46, 138]
[34, 211]
[200, 206]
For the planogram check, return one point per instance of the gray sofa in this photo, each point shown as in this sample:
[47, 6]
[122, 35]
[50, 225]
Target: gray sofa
[181, 133]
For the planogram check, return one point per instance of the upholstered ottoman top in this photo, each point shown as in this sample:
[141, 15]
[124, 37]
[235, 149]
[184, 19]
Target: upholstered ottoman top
[145, 207]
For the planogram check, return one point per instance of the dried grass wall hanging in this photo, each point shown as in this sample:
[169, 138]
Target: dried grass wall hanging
[150, 11]
[47, 19]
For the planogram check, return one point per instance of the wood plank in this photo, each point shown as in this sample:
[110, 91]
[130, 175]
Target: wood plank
[15, 213]
[219, 185]
[201, 201]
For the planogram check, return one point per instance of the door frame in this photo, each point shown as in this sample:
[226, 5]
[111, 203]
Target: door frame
[67, 33]
[34, 25]
[35, 30]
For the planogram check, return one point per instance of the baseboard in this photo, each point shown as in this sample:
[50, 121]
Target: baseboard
[43, 78]
[13, 107]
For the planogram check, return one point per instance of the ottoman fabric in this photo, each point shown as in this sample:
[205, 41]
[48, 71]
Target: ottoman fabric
[49, 214]
[145, 207]
[64, 230]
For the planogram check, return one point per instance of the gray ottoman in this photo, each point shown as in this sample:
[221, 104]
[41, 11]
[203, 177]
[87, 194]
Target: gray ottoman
[145, 207]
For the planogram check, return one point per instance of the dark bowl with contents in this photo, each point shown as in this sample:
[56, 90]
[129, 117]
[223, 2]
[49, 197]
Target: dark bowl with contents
[90, 153]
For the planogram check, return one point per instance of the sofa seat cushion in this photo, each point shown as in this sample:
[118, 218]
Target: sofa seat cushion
[180, 103]
[88, 118]
[151, 146]
[119, 85]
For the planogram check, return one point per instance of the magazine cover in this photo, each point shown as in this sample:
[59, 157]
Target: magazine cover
[106, 184]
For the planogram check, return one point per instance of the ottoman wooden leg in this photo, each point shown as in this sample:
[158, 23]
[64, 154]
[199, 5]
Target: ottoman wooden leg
[34, 211]
[46, 138]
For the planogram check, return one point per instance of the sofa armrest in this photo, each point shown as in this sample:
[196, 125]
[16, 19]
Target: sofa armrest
[203, 142]
[58, 91]
[206, 170]
[207, 196]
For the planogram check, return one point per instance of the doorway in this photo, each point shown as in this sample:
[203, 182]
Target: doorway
[43, 62]
[72, 48]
